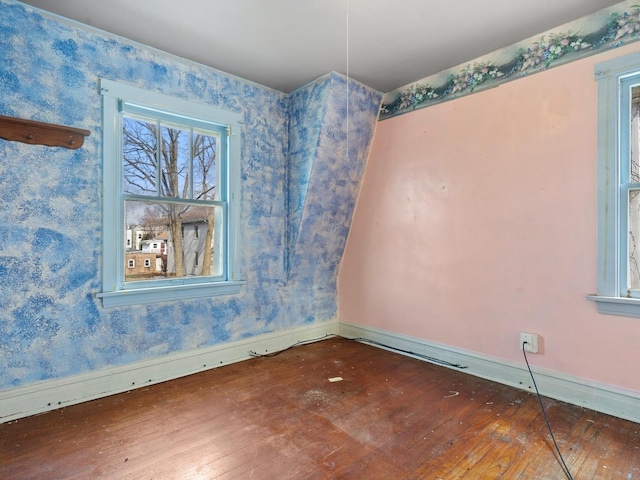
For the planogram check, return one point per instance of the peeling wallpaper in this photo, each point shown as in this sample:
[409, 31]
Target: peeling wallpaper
[51, 325]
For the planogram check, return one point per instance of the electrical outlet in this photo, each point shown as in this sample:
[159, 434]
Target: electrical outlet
[532, 342]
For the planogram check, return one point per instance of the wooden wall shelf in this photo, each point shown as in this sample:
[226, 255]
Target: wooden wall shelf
[38, 133]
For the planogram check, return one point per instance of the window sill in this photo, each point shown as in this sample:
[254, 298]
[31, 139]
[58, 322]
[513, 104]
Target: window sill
[138, 296]
[626, 307]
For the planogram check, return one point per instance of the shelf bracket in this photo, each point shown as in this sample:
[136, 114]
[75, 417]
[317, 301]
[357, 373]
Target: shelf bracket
[38, 133]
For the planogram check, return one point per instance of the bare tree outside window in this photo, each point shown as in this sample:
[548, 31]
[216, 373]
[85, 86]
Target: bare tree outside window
[167, 162]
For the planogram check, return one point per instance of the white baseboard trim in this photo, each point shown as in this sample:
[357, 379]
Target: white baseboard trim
[49, 395]
[578, 391]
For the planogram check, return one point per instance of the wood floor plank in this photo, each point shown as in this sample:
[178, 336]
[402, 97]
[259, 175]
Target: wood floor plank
[279, 417]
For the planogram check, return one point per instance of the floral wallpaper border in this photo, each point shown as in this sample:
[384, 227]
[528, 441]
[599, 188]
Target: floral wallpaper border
[608, 28]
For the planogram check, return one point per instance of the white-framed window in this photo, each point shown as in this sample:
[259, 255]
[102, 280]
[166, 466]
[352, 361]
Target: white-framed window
[147, 262]
[131, 263]
[165, 161]
[618, 186]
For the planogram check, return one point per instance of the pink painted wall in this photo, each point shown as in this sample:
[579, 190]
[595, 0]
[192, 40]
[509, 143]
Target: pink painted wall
[477, 220]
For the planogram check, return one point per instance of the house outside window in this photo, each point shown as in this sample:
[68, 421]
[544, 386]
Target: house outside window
[131, 263]
[618, 288]
[167, 161]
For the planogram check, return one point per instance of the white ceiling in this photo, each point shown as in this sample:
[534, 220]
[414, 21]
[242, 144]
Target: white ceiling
[284, 44]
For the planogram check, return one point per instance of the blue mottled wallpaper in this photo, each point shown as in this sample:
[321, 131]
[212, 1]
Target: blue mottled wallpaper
[327, 162]
[296, 209]
[308, 105]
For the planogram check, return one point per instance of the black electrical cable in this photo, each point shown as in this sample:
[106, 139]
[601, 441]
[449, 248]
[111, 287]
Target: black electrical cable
[564, 465]
[359, 339]
[409, 352]
[299, 342]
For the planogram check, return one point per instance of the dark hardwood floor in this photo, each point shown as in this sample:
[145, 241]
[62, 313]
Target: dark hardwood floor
[391, 417]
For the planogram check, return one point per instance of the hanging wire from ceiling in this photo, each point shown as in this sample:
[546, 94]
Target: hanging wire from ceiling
[347, 126]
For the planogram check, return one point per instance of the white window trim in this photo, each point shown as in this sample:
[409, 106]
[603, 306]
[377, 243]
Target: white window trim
[611, 297]
[115, 292]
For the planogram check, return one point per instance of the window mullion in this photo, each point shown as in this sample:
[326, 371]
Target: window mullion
[191, 179]
[176, 200]
[159, 158]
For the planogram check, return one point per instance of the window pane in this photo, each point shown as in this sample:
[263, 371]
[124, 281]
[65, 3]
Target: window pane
[175, 162]
[169, 241]
[205, 164]
[635, 135]
[140, 164]
[634, 239]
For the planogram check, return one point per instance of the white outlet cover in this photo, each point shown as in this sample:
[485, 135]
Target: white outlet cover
[532, 341]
